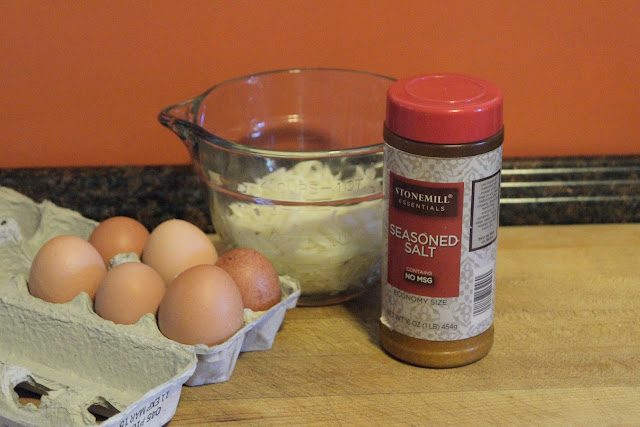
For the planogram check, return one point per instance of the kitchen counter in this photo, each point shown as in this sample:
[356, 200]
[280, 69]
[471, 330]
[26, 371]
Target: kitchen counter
[566, 351]
[567, 345]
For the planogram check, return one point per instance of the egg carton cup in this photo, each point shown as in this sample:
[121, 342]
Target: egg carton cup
[84, 367]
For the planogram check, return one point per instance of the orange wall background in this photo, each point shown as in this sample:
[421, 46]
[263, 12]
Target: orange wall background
[83, 81]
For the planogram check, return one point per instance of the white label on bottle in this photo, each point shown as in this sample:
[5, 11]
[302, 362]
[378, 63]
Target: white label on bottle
[441, 221]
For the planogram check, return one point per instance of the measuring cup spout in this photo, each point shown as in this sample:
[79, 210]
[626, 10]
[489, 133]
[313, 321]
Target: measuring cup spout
[179, 118]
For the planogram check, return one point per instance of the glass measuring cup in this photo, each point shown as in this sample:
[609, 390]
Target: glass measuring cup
[293, 160]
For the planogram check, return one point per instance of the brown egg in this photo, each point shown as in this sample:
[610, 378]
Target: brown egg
[175, 245]
[128, 292]
[119, 235]
[63, 267]
[254, 275]
[201, 306]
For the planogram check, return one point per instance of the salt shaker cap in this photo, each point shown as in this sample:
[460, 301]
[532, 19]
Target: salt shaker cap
[444, 108]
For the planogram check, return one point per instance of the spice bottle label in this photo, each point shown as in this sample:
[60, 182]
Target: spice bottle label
[441, 222]
[425, 228]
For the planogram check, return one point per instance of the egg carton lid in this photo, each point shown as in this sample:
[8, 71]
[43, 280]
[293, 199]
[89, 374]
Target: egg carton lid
[82, 365]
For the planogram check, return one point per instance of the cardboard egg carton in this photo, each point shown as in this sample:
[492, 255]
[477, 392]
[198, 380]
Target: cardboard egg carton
[84, 367]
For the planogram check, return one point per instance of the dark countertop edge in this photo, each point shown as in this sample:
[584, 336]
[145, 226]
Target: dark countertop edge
[560, 190]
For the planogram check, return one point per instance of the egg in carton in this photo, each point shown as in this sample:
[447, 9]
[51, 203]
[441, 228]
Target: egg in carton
[83, 366]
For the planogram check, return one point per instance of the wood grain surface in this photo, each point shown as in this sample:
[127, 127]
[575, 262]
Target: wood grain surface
[566, 351]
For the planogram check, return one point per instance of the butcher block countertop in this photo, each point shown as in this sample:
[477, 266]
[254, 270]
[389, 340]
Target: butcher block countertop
[566, 350]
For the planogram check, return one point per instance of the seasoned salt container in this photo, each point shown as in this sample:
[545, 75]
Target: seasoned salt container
[443, 157]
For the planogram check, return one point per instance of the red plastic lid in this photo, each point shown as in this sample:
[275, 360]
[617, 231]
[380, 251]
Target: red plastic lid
[444, 108]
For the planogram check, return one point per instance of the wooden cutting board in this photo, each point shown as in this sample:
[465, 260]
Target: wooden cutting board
[566, 351]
